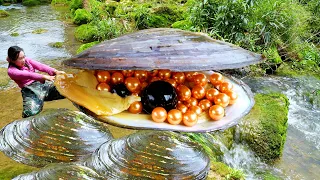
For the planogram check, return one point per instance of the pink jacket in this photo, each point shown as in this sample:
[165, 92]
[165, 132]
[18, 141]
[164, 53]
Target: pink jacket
[25, 76]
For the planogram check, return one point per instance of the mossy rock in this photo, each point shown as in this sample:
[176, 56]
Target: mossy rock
[86, 46]
[56, 45]
[31, 2]
[4, 78]
[295, 69]
[86, 33]
[183, 24]
[39, 31]
[4, 13]
[264, 129]
[9, 172]
[82, 16]
[14, 34]
[221, 171]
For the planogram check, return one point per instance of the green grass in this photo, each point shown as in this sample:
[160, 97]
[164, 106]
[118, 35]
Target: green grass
[4, 78]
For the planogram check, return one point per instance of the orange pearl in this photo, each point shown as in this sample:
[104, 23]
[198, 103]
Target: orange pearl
[196, 109]
[141, 75]
[172, 82]
[179, 77]
[183, 108]
[198, 92]
[221, 99]
[184, 93]
[117, 78]
[200, 79]
[135, 107]
[153, 73]
[155, 78]
[211, 93]
[191, 102]
[189, 75]
[204, 104]
[127, 73]
[216, 78]
[164, 74]
[143, 85]
[103, 87]
[216, 112]
[232, 95]
[190, 118]
[103, 76]
[133, 84]
[174, 116]
[159, 114]
[225, 86]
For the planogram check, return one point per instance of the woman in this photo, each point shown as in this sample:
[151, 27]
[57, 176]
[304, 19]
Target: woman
[35, 88]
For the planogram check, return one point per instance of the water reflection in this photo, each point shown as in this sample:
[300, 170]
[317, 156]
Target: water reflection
[24, 20]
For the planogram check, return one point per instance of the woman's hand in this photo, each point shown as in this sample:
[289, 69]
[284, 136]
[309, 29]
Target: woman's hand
[49, 78]
[59, 72]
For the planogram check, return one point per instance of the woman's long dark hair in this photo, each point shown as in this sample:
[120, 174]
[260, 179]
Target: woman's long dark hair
[13, 53]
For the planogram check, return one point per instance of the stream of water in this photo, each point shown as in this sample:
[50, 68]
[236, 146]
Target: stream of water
[24, 20]
[301, 156]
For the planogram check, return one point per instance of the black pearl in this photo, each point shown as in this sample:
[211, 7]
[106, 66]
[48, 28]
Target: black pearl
[159, 94]
[121, 90]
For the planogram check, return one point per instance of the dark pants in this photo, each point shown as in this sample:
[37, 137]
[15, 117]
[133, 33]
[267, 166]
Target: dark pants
[34, 96]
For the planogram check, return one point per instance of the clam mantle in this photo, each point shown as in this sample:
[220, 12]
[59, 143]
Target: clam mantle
[152, 49]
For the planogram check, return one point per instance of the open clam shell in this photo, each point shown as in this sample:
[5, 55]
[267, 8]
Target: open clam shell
[164, 48]
[61, 171]
[58, 135]
[86, 102]
[150, 155]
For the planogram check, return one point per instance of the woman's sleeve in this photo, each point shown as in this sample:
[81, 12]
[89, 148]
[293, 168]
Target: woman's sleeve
[42, 67]
[17, 74]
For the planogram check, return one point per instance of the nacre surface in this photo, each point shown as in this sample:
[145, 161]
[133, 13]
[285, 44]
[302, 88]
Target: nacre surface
[150, 155]
[57, 135]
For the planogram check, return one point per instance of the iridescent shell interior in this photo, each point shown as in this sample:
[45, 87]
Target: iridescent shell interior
[150, 155]
[57, 135]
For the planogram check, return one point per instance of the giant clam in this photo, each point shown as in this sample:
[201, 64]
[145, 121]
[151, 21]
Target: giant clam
[149, 50]
[61, 171]
[58, 135]
[150, 155]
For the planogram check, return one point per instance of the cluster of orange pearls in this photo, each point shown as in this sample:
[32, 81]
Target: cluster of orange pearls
[195, 95]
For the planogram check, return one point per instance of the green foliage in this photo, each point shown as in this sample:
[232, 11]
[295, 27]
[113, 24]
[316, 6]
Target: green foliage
[30, 2]
[265, 128]
[223, 19]
[76, 4]
[82, 16]
[61, 2]
[273, 55]
[109, 28]
[1, 2]
[4, 13]
[183, 24]
[86, 33]
[86, 46]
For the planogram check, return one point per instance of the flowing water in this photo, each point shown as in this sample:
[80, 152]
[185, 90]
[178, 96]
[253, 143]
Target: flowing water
[301, 155]
[24, 21]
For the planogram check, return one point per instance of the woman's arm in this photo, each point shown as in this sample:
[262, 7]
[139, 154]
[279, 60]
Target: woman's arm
[42, 67]
[17, 74]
